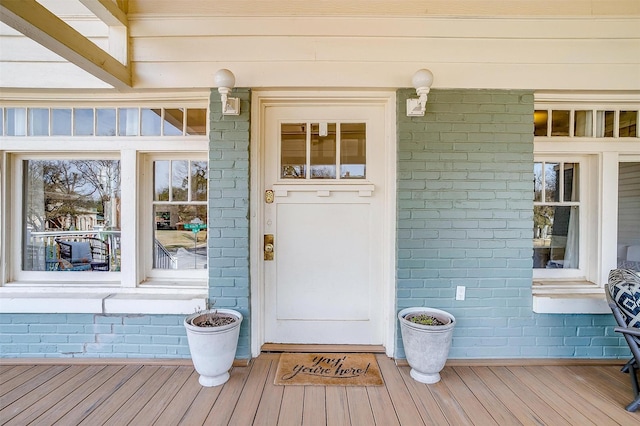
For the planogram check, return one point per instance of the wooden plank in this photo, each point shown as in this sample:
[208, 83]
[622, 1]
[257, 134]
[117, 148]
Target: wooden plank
[21, 379]
[97, 397]
[118, 398]
[587, 390]
[39, 24]
[10, 371]
[226, 402]
[31, 404]
[465, 398]
[500, 413]
[424, 400]
[129, 409]
[201, 406]
[400, 396]
[252, 392]
[281, 347]
[27, 382]
[359, 407]
[508, 397]
[292, 404]
[70, 395]
[314, 411]
[382, 406]
[163, 397]
[337, 406]
[533, 401]
[175, 411]
[269, 406]
[600, 382]
[551, 398]
[450, 406]
[566, 397]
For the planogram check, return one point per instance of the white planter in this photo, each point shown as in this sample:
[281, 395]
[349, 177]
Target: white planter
[213, 349]
[426, 346]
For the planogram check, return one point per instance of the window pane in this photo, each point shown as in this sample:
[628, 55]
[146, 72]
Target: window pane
[560, 123]
[556, 239]
[128, 121]
[199, 180]
[71, 215]
[537, 182]
[293, 140]
[604, 124]
[83, 122]
[38, 122]
[173, 119]
[583, 125]
[571, 182]
[61, 122]
[323, 151]
[540, 118]
[628, 124]
[353, 158]
[161, 180]
[151, 122]
[106, 123]
[1, 121]
[179, 180]
[551, 181]
[175, 245]
[16, 121]
[196, 121]
[629, 216]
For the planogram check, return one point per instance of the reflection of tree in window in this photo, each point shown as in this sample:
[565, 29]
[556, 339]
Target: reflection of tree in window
[60, 193]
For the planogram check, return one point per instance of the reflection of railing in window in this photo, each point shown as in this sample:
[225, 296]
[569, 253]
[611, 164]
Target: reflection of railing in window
[162, 259]
[43, 252]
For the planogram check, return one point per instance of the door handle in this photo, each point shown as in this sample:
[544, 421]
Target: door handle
[268, 247]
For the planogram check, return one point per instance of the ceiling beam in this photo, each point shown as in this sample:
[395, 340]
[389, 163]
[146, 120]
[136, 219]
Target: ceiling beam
[42, 26]
[107, 11]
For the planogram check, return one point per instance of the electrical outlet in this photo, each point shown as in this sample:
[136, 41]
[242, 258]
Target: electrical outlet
[460, 292]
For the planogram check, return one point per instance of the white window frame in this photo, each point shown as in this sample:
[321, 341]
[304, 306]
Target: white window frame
[133, 289]
[556, 291]
[160, 276]
[585, 239]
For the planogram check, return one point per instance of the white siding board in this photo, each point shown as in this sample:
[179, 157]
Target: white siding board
[386, 7]
[24, 49]
[520, 28]
[40, 75]
[378, 49]
[317, 74]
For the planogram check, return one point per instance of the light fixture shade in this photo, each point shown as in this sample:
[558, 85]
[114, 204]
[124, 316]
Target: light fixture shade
[422, 78]
[224, 78]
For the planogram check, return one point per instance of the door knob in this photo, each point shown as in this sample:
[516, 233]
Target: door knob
[268, 247]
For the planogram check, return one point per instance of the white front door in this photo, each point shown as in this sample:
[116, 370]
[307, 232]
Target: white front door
[324, 194]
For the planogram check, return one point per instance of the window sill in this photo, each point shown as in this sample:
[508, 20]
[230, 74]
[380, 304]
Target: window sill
[100, 301]
[569, 297]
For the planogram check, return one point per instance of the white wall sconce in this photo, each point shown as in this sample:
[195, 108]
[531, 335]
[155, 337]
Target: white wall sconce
[224, 81]
[422, 81]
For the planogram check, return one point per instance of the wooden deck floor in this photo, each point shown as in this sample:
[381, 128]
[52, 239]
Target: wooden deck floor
[139, 394]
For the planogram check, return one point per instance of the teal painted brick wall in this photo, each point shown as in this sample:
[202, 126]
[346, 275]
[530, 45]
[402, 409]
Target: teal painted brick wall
[92, 336]
[229, 211]
[465, 184]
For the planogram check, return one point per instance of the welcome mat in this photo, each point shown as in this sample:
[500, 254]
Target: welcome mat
[328, 369]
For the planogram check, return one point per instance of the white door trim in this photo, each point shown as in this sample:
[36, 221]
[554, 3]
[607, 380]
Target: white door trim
[262, 99]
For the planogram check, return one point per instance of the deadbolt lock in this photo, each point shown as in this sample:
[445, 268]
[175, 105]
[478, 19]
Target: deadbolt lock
[268, 247]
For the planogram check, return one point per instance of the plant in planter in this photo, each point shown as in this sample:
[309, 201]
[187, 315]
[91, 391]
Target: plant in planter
[426, 336]
[213, 340]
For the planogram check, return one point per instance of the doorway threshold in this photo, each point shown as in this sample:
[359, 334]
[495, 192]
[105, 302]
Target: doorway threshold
[297, 347]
